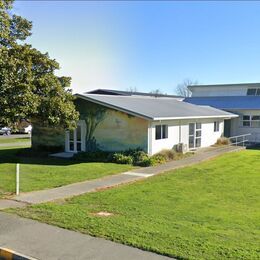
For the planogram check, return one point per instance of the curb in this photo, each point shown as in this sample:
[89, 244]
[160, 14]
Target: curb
[7, 254]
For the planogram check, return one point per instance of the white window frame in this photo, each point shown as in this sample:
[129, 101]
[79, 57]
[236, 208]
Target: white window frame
[253, 123]
[161, 135]
[216, 126]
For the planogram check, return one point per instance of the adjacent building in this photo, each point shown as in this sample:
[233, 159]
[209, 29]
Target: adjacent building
[240, 99]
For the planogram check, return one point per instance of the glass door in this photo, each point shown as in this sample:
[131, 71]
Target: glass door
[71, 141]
[194, 135]
[74, 139]
[191, 136]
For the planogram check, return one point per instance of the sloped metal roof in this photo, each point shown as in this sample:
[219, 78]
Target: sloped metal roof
[153, 108]
[227, 102]
[127, 93]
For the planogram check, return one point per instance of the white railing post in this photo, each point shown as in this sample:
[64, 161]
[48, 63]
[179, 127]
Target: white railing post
[17, 178]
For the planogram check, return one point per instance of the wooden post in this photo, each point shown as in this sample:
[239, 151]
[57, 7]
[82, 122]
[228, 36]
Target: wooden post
[17, 178]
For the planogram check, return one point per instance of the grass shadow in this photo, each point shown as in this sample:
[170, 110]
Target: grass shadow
[30, 156]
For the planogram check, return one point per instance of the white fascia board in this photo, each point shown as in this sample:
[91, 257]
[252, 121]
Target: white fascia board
[113, 107]
[194, 117]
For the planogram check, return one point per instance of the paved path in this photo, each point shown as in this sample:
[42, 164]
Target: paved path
[44, 241]
[114, 180]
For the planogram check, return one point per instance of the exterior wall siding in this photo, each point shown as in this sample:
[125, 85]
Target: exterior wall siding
[178, 132]
[111, 130]
[238, 129]
[218, 91]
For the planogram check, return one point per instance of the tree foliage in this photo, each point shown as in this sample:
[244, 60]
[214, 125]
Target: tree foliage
[182, 88]
[29, 87]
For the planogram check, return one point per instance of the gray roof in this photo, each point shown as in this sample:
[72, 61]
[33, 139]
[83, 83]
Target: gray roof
[127, 93]
[227, 102]
[251, 85]
[152, 108]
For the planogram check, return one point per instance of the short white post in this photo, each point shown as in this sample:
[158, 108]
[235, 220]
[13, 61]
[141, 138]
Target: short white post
[17, 178]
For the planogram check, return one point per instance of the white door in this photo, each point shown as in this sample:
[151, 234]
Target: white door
[75, 139]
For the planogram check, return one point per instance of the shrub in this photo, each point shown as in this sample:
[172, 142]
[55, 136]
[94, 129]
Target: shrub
[168, 155]
[97, 156]
[158, 159]
[122, 159]
[223, 141]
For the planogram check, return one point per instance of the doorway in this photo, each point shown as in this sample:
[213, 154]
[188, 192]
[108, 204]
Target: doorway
[194, 135]
[75, 141]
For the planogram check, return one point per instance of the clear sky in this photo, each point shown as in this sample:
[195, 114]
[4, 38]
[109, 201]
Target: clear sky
[147, 45]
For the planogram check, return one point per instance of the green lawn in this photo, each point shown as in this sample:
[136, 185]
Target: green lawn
[38, 173]
[8, 140]
[207, 211]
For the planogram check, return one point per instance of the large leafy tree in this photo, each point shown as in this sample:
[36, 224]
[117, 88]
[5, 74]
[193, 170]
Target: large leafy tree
[29, 87]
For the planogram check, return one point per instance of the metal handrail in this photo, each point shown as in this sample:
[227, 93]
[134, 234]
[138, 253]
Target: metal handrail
[237, 141]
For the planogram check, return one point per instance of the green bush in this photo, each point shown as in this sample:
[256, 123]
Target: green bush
[98, 156]
[122, 159]
[158, 159]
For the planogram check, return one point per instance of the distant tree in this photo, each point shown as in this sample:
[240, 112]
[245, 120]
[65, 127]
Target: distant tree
[156, 92]
[132, 89]
[29, 87]
[182, 88]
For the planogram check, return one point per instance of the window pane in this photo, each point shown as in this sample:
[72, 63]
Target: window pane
[78, 146]
[258, 92]
[78, 133]
[216, 126]
[246, 123]
[71, 146]
[251, 91]
[246, 117]
[158, 132]
[198, 142]
[198, 133]
[191, 129]
[198, 125]
[71, 135]
[255, 124]
[255, 117]
[164, 131]
[191, 142]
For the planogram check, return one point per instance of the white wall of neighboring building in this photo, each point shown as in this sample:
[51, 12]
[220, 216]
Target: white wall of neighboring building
[178, 132]
[237, 127]
[213, 91]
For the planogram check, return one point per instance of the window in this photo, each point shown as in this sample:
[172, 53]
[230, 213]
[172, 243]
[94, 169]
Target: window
[253, 91]
[161, 132]
[246, 121]
[216, 126]
[251, 121]
[255, 121]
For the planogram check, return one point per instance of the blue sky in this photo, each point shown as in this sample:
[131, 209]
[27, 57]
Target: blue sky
[147, 45]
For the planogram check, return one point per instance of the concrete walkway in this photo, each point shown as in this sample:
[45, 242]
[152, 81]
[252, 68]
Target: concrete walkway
[114, 180]
[43, 241]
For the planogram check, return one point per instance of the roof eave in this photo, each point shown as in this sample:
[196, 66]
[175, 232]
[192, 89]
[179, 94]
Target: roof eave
[195, 117]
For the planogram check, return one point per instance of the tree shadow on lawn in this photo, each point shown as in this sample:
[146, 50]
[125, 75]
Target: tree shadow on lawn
[30, 156]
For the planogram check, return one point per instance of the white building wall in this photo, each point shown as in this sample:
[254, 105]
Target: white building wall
[178, 132]
[211, 91]
[238, 129]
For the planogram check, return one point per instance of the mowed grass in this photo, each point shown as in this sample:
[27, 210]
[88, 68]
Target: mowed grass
[8, 140]
[37, 173]
[207, 211]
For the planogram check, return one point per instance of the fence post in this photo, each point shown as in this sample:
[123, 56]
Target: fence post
[17, 178]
